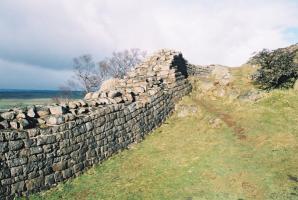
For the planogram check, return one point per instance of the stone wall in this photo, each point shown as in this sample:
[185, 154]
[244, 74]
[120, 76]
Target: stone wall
[199, 70]
[42, 146]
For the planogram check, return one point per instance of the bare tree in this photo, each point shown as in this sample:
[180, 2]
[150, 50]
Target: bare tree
[89, 76]
[86, 73]
[121, 62]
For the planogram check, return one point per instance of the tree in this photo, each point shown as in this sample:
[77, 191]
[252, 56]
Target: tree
[89, 76]
[121, 62]
[277, 69]
[85, 72]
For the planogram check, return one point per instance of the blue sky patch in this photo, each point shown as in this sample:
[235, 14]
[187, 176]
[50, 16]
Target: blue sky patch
[291, 35]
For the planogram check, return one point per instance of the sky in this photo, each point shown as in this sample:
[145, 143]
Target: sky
[40, 38]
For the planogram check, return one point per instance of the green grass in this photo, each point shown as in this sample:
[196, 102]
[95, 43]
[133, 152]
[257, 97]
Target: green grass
[188, 158]
[9, 103]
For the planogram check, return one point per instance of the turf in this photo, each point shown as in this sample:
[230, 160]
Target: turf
[9, 103]
[250, 154]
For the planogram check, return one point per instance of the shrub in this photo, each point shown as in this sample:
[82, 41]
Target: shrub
[277, 69]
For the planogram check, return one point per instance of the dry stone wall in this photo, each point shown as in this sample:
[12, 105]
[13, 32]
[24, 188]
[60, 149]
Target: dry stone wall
[42, 146]
[199, 70]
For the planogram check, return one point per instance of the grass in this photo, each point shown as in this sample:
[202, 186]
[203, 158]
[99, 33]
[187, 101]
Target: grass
[8, 103]
[250, 154]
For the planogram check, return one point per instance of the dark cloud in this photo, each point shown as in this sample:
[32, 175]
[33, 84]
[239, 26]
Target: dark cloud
[23, 76]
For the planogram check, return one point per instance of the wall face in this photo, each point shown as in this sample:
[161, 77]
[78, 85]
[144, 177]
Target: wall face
[38, 158]
[198, 70]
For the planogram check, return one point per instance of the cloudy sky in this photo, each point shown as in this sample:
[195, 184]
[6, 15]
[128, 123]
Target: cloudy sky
[39, 38]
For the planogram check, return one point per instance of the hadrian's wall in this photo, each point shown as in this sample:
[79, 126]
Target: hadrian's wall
[44, 145]
[199, 70]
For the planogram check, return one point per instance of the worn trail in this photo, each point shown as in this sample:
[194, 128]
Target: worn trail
[239, 131]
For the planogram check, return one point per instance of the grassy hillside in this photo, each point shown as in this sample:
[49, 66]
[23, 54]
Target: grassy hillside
[219, 144]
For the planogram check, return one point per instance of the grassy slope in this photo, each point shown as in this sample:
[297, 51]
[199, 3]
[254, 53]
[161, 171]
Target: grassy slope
[251, 154]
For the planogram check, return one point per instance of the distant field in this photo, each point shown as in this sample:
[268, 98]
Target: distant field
[9, 103]
[20, 98]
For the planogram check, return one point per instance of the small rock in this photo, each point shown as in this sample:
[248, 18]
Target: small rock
[215, 123]
[103, 95]
[42, 111]
[72, 105]
[14, 125]
[95, 95]
[114, 93]
[8, 115]
[89, 126]
[252, 95]
[103, 101]
[82, 103]
[222, 75]
[4, 124]
[15, 145]
[92, 103]
[138, 90]
[70, 116]
[21, 116]
[88, 96]
[82, 110]
[55, 120]
[24, 123]
[152, 92]
[73, 111]
[118, 100]
[57, 110]
[41, 121]
[112, 101]
[31, 112]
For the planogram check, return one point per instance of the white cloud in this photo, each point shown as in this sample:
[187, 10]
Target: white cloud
[50, 33]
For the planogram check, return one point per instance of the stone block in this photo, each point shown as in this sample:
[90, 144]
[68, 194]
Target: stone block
[88, 96]
[72, 105]
[35, 184]
[21, 115]
[58, 110]
[31, 112]
[18, 187]
[49, 180]
[8, 115]
[114, 93]
[42, 111]
[3, 147]
[59, 166]
[14, 125]
[95, 95]
[55, 120]
[15, 145]
[4, 124]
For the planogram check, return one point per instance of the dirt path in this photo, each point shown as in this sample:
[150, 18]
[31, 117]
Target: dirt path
[239, 131]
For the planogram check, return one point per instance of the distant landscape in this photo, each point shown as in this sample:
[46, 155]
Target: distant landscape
[16, 97]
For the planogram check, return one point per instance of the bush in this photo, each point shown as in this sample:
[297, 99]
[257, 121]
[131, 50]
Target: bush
[277, 69]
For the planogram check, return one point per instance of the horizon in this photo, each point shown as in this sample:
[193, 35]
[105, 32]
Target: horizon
[38, 45]
[28, 89]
